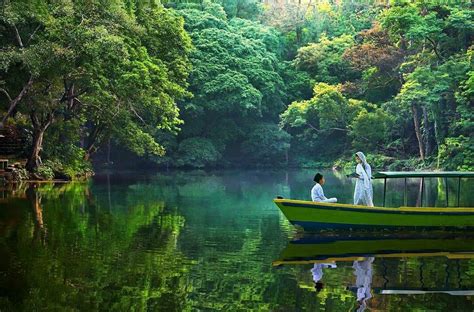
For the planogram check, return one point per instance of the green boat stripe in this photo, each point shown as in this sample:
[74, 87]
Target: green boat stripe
[309, 225]
[375, 210]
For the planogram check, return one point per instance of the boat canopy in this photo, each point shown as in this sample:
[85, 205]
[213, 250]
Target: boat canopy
[423, 174]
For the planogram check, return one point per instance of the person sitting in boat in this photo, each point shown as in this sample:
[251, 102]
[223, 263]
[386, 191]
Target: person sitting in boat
[317, 193]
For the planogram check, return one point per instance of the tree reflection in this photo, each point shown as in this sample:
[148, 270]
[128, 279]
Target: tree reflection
[93, 259]
[35, 201]
[192, 241]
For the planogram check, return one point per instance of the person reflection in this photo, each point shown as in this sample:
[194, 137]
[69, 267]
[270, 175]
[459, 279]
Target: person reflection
[317, 272]
[363, 273]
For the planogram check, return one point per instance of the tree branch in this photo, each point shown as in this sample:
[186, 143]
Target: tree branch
[313, 127]
[18, 38]
[33, 34]
[6, 94]
[15, 101]
[323, 130]
[435, 48]
[136, 114]
[338, 129]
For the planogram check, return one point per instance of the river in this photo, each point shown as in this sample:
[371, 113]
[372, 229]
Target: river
[215, 241]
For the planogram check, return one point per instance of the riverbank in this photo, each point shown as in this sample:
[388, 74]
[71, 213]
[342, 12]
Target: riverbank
[54, 172]
[13, 170]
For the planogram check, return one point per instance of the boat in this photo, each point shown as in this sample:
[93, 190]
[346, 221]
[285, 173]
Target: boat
[317, 215]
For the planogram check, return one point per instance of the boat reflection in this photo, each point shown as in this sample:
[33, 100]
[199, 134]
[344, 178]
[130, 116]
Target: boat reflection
[408, 264]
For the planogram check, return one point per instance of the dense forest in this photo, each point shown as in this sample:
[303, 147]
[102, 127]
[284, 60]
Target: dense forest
[237, 83]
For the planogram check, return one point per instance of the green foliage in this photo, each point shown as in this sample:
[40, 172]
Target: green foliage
[248, 9]
[369, 130]
[406, 23]
[299, 84]
[62, 151]
[46, 170]
[324, 59]
[457, 154]
[326, 116]
[327, 110]
[197, 153]
[396, 80]
[267, 145]
[235, 78]
[111, 70]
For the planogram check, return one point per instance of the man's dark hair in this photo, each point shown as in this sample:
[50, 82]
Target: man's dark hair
[318, 286]
[317, 177]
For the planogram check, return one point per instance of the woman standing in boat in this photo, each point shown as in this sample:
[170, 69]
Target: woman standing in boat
[363, 189]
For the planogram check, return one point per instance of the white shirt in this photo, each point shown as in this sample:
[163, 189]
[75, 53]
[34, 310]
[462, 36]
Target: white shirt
[317, 270]
[317, 193]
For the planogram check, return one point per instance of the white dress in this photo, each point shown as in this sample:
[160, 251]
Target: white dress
[363, 189]
[317, 195]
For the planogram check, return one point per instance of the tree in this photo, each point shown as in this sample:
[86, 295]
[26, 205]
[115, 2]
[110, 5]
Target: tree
[369, 129]
[324, 60]
[197, 153]
[326, 116]
[235, 78]
[148, 80]
[248, 9]
[267, 145]
[379, 60]
[97, 64]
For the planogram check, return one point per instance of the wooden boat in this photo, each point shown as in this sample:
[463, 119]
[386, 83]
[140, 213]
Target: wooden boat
[315, 215]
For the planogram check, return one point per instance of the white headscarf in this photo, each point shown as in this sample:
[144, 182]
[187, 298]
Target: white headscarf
[366, 166]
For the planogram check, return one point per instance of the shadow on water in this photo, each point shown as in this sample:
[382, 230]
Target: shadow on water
[205, 241]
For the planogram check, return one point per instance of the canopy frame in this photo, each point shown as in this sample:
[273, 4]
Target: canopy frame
[420, 174]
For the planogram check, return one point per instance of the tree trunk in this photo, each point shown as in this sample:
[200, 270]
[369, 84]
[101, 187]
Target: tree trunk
[13, 103]
[426, 131]
[419, 137]
[108, 152]
[89, 151]
[91, 143]
[299, 35]
[34, 160]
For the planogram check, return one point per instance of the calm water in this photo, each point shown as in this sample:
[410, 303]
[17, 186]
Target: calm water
[196, 241]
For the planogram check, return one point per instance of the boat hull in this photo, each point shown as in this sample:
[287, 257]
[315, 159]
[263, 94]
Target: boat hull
[314, 216]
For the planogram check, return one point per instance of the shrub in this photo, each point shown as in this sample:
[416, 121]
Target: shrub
[45, 171]
[266, 144]
[197, 152]
[457, 154]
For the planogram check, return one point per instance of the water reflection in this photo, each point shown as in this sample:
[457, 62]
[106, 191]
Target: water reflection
[396, 264]
[205, 241]
[363, 273]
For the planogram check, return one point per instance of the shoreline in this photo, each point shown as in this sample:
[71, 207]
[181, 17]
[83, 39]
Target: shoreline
[339, 165]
